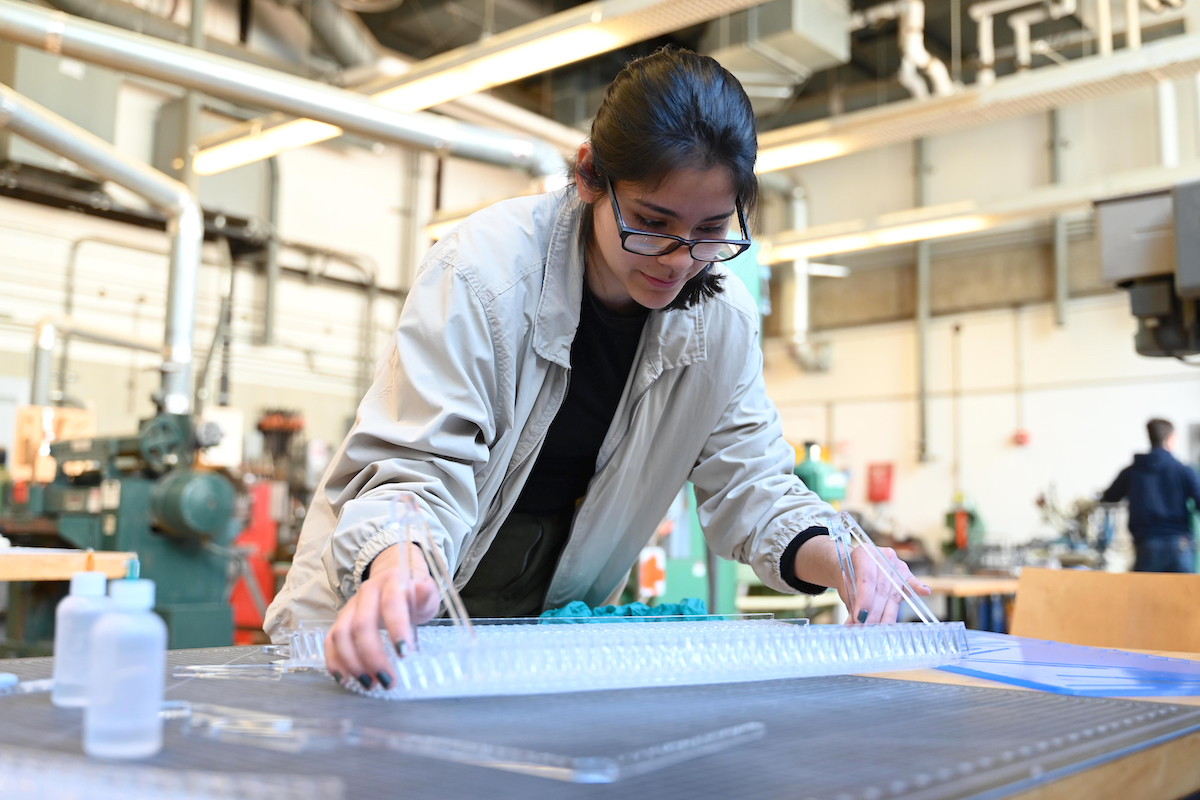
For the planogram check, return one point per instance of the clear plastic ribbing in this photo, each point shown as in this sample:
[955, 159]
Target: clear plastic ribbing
[539, 659]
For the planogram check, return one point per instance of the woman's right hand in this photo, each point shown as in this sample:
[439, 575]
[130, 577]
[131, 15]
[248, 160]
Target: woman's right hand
[388, 600]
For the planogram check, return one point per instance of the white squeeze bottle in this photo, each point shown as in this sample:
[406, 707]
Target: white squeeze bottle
[74, 618]
[125, 682]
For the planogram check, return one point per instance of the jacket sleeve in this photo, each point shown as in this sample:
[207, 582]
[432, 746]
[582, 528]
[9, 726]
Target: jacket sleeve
[1119, 488]
[1192, 483]
[750, 504]
[425, 426]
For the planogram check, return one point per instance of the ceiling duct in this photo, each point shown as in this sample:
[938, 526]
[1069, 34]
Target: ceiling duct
[123, 15]
[205, 72]
[775, 47]
[1022, 94]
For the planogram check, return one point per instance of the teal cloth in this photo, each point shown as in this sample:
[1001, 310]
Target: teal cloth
[689, 607]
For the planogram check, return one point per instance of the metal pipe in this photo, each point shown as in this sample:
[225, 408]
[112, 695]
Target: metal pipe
[189, 129]
[344, 33]
[49, 330]
[1104, 30]
[1168, 124]
[123, 15]
[246, 83]
[924, 291]
[272, 256]
[1133, 24]
[1061, 263]
[185, 225]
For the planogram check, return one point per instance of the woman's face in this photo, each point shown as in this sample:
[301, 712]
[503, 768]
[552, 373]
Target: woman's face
[690, 203]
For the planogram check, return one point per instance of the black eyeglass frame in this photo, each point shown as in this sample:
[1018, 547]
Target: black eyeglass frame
[625, 232]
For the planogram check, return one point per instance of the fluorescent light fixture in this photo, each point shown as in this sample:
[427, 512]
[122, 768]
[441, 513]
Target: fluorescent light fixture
[827, 270]
[955, 219]
[262, 144]
[778, 253]
[934, 229]
[879, 237]
[553, 41]
[497, 69]
[793, 155]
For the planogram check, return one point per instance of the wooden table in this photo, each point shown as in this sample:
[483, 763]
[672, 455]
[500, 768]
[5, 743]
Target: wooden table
[54, 564]
[962, 589]
[970, 585]
[1167, 771]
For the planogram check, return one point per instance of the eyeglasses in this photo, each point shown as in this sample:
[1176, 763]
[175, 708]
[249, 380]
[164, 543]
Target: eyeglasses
[659, 244]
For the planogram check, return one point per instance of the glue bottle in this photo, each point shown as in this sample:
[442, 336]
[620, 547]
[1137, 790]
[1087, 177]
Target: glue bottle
[125, 682]
[74, 618]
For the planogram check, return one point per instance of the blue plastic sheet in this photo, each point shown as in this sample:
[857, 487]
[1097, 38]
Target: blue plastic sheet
[1075, 669]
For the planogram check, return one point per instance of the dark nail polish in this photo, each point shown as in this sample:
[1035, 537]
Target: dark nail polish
[384, 679]
[365, 680]
[337, 676]
[862, 615]
[401, 648]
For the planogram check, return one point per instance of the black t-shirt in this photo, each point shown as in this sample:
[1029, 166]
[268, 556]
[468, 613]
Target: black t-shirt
[601, 358]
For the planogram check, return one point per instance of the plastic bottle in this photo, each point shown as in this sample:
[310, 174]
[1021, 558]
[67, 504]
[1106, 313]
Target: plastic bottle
[125, 682]
[74, 618]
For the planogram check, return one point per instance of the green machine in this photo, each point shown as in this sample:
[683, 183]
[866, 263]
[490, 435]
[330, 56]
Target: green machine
[819, 476]
[141, 494]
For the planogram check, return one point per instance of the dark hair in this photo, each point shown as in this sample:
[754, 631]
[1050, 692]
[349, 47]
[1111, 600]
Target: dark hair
[1160, 430]
[670, 110]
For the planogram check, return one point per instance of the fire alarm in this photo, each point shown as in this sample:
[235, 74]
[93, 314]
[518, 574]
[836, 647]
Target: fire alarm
[1021, 437]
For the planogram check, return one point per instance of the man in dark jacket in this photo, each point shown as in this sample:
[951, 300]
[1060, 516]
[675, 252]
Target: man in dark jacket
[1158, 488]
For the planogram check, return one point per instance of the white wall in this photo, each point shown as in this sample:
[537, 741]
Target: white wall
[1087, 396]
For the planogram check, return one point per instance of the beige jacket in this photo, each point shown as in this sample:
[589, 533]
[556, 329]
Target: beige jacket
[463, 398]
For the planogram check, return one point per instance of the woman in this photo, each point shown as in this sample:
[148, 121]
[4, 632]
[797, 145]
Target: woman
[562, 365]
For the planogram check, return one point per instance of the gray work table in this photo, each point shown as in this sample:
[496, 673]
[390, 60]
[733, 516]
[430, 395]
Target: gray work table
[831, 738]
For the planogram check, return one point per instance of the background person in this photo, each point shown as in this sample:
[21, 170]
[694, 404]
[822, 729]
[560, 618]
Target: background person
[1158, 487]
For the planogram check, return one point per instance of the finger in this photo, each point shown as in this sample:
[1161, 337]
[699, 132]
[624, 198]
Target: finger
[333, 662]
[395, 606]
[365, 632]
[891, 606]
[342, 638]
[869, 596]
[918, 586]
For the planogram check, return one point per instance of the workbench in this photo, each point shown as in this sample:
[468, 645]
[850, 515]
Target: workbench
[960, 589]
[921, 736]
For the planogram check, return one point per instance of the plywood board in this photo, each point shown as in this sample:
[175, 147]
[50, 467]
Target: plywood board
[1141, 610]
[52, 564]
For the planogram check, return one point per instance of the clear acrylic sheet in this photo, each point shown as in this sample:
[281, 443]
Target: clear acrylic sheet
[291, 735]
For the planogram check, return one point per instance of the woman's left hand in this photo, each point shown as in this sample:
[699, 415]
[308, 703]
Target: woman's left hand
[876, 600]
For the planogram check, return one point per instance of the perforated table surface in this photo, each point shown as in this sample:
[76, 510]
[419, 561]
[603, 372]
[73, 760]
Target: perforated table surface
[831, 738]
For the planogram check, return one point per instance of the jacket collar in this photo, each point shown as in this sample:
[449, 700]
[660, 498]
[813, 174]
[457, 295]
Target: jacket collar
[673, 338]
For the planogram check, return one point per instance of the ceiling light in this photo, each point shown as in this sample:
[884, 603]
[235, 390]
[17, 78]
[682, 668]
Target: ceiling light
[261, 144]
[553, 41]
[954, 219]
[500, 68]
[827, 270]
[793, 155]
[936, 229]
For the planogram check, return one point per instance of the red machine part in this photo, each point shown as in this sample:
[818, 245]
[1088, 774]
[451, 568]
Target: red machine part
[879, 482]
[260, 537]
